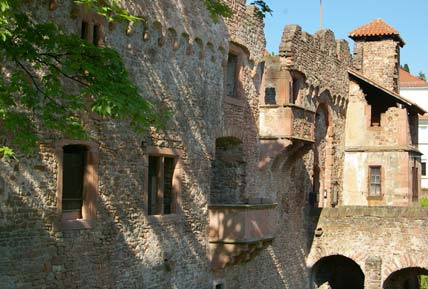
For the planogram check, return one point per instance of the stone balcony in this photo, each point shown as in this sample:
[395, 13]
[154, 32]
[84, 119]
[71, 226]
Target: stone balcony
[238, 231]
[287, 121]
[282, 126]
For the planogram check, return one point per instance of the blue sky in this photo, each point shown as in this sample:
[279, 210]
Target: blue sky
[409, 17]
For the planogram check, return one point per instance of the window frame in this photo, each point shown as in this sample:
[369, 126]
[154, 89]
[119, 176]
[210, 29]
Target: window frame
[92, 20]
[161, 152]
[90, 186]
[423, 168]
[242, 55]
[369, 182]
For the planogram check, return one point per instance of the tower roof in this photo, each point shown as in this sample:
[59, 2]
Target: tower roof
[375, 29]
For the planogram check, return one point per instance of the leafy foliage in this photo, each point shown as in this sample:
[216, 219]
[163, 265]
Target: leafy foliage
[111, 10]
[52, 80]
[422, 76]
[424, 203]
[263, 8]
[218, 8]
[423, 282]
[406, 67]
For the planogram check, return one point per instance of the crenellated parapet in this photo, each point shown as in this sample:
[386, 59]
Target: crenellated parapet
[320, 57]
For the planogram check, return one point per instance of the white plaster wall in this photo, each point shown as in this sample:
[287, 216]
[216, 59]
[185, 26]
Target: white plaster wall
[419, 95]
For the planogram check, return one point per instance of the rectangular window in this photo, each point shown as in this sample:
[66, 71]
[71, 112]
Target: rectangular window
[96, 35]
[415, 183]
[84, 33]
[160, 185]
[375, 116]
[74, 164]
[375, 181]
[424, 169]
[231, 77]
[77, 183]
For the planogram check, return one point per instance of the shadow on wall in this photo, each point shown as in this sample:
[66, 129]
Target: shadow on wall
[337, 272]
[125, 248]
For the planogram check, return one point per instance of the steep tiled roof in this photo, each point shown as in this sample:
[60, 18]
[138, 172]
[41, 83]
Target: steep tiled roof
[376, 28]
[393, 94]
[408, 80]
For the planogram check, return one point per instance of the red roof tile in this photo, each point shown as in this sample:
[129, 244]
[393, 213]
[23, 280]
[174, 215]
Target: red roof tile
[376, 28]
[408, 80]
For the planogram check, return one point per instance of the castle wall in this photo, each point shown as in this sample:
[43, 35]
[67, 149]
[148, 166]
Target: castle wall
[177, 57]
[287, 168]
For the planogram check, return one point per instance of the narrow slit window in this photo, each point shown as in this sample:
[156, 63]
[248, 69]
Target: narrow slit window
[160, 194]
[154, 165]
[84, 33]
[96, 35]
[74, 165]
[231, 77]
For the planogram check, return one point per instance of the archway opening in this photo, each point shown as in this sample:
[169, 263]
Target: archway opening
[322, 160]
[337, 272]
[407, 278]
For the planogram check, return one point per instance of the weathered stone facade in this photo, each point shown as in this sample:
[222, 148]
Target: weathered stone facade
[253, 165]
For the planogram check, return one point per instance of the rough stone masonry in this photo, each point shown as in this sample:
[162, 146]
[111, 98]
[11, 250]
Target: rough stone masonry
[248, 134]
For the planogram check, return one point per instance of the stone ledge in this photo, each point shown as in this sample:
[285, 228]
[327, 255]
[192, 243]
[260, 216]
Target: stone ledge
[382, 149]
[380, 211]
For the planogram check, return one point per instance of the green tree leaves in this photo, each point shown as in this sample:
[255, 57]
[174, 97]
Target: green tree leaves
[52, 80]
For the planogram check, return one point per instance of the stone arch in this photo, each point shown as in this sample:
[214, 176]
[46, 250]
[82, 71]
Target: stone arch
[337, 272]
[406, 278]
[228, 171]
[323, 158]
[394, 263]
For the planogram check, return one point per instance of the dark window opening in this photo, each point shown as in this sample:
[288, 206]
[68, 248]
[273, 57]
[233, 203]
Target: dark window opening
[232, 64]
[379, 102]
[424, 168]
[296, 89]
[84, 33]
[96, 35]
[153, 208]
[375, 116]
[219, 286]
[375, 181]
[415, 183]
[270, 95]
[167, 188]
[74, 165]
[160, 188]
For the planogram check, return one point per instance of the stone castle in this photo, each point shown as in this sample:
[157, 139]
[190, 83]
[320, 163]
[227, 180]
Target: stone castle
[293, 171]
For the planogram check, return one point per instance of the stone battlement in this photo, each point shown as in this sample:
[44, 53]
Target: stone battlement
[323, 59]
